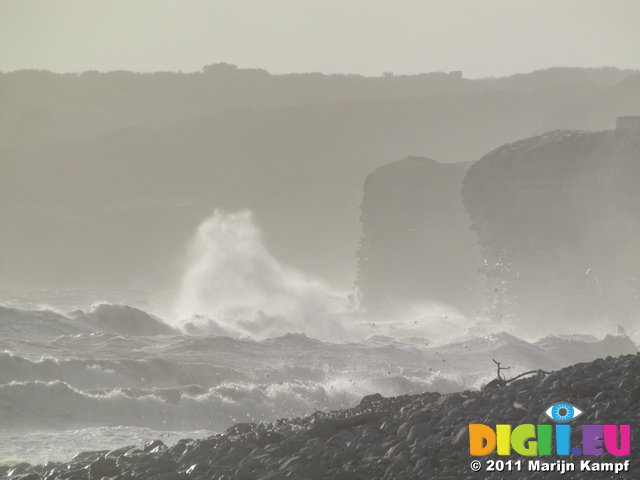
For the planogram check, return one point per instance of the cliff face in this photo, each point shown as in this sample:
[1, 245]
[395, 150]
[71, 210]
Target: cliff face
[417, 244]
[105, 176]
[557, 219]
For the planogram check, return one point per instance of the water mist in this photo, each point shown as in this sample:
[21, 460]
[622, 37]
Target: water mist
[233, 285]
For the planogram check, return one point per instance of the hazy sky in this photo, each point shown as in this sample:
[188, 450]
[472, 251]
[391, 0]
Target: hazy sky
[481, 37]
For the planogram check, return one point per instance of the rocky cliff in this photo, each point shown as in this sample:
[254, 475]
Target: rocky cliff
[417, 245]
[557, 219]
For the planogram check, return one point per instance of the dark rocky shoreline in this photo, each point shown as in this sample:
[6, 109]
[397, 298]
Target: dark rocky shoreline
[408, 437]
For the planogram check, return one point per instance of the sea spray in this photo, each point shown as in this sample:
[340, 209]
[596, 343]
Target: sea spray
[239, 287]
[116, 387]
[233, 286]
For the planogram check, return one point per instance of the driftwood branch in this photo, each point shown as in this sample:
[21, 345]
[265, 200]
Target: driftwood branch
[500, 376]
[501, 381]
[538, 372]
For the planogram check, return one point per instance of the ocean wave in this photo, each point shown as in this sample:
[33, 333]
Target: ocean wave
[123, 319]
[37, 324]
[57, 405]
[105, 373]
[116, 367]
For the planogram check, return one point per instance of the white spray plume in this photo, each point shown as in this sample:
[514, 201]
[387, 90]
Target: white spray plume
[233, 286]
[236, 286]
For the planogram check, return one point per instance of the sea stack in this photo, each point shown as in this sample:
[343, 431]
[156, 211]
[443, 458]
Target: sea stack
[417, 245]
[557, 218]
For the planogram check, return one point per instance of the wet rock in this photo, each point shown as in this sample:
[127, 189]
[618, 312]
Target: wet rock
[119, 451]
[268, 438]
[634, 396]
[27, 476]
[371, 400]
[400, 464]
[89, 456]
[324, 429]
[18, 469]
[341, 474]
[404, 429]
[407, 437]
[241, 428]
[103, 467]
[154, 446]
[420, 430]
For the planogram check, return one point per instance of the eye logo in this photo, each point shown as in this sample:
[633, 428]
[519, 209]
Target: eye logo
[531, 440]
[563, 412]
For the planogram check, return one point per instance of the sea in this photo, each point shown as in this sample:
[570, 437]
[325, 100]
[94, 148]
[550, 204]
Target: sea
[240, 338]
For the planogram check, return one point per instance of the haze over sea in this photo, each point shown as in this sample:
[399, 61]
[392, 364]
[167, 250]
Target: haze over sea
[202, 205]
[242, 338]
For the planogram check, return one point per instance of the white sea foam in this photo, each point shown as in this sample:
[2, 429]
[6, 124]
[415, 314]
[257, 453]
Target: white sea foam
[97, 380]
[236, 286]
[252, 340]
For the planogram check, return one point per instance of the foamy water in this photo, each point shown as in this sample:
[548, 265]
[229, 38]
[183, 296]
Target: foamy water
[88, 380]
[242, 339]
